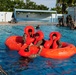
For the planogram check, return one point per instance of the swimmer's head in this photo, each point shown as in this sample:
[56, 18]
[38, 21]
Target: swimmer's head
[54, 36]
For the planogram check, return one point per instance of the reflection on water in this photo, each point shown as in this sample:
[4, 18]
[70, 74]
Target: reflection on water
[15, 66]
[22, 63]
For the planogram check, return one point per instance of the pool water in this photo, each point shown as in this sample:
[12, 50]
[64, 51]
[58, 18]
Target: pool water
[13, 64]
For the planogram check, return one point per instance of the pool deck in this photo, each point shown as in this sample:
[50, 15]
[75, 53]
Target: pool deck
[28, 23]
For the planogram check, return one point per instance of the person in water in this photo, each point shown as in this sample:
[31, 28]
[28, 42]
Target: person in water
[58, 41]
[39, 44]
[25, 35]
[38, 27]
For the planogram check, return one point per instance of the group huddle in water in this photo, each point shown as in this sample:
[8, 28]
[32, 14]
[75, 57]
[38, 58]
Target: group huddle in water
[69, 22]
[38, 40]
[33, 44]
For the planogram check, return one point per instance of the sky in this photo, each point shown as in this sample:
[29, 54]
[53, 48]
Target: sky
[48, 3]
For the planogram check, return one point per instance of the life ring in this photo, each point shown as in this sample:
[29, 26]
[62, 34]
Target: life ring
[27, 28]
[14, 42]
[29, 40]
[65, 52]
[22, 51]
[41, 36]
[48, 43]
[57, 33]
[57, 38]
[33, 50]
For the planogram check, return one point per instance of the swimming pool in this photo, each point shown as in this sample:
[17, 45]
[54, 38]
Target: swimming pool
[14, 65]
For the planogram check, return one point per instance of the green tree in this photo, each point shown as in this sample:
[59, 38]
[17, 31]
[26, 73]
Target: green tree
[27, 1]
[69, 3]
[19, 4]
[42, 7]
[30, 5]
[3, 5]
[58, 9]
[9, 5]
[33, 5]
[65, 3]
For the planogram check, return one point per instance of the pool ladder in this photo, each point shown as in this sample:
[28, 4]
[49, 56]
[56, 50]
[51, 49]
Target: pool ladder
[2, 72]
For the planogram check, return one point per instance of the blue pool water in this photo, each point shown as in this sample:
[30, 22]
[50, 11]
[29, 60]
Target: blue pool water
[13, 65]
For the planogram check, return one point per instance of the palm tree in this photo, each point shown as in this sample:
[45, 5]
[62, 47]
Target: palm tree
[65, 4]
[68, 2]
[62, 4]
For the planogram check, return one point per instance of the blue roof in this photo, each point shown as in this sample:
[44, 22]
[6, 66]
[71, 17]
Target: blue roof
[28, 10]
